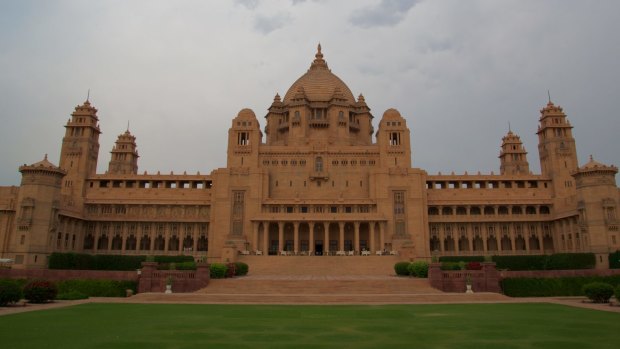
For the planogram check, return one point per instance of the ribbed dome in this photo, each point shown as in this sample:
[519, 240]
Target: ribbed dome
[319, 83]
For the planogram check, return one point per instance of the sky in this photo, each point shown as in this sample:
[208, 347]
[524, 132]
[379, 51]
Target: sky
[179, 71]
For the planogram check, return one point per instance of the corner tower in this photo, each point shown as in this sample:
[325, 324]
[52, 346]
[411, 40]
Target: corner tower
[513, 157]
[124, 155]
[597, 204]
[79, 153]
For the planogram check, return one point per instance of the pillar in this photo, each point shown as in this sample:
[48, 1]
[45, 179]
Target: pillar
[280, 236]
[372, 237]
[382, 235]
[311, 238]
[254, 236]
[326, 242]
[341, 237]
[265, 238]
[296, 237]
[356, 241]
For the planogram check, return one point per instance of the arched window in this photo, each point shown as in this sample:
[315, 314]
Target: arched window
[318, 164]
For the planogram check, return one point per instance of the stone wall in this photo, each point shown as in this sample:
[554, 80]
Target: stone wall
[183, 281]
[484, 280]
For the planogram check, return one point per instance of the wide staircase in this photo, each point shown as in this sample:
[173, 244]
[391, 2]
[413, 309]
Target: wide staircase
[318, 280]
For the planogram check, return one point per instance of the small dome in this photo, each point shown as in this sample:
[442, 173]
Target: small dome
[593, 164]
[246, 113]
[319, 83]
[392, 114]
[44, 163]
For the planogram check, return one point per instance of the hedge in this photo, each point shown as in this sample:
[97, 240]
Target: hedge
[82, 261]
[96, 288]
[401, 268]
[10, 292]
[218, 270]
[40, 291]
[241, 268]
[456, 259]
[614, 260]
[552, 287]
[558, 261]
[598, 292]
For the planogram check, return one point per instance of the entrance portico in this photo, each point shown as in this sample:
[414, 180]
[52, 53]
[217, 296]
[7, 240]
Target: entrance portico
[317, 237]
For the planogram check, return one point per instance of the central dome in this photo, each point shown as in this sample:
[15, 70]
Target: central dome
[319, 83]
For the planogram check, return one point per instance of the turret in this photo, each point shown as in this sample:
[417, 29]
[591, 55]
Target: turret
[37, 214]
[513, 157]
[393, 138]
[558, 155]
[124, 158]
[597, 204]
[79, 153]
[244, 137]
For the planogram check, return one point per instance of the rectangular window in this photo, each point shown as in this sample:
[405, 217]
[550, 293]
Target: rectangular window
[333, 209]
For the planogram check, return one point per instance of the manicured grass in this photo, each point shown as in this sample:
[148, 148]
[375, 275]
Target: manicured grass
[241, 326]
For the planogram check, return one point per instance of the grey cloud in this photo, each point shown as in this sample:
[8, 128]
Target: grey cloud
[386, 13]
[251, 4]
[267, 24]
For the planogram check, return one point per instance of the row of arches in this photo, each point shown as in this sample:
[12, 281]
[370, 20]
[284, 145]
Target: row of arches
[488, 210]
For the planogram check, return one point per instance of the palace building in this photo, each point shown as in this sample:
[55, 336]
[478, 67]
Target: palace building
[319, 179]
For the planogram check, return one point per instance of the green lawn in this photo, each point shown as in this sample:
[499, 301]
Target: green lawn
[242, 326]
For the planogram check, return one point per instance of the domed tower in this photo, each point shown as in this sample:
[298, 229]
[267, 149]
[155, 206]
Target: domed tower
[513, 157]
[244, 138]
[556, 147]
[79, 153]
[319, 108]
[124, 155]
[393, 138]
[37, 214]
[597, 203]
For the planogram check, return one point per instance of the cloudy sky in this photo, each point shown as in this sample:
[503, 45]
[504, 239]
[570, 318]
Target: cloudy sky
[179, 71]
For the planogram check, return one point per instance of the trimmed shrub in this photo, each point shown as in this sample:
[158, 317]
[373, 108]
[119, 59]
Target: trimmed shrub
[450, 266]
[82, 261]
[461, 259]
[40, 291]
[614, 260]
[97, 288]
[402, 268]
[558, 261]
[617, 293]
[598, 292]
[552, 287]
[71, 296]
[218, 270]
[473, 266]
[418, 269]
[241, 268]
[10, 292]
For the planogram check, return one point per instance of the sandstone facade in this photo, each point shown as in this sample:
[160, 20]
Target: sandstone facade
[320, 179]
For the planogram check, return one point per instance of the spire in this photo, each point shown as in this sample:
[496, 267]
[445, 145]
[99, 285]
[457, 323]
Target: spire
[509, 129]
[318, 62]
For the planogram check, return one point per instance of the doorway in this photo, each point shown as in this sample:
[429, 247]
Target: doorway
[318, 247]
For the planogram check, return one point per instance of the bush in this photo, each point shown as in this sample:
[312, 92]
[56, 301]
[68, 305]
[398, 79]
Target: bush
[552, 287]
[402, 268]
[241, 268]
[617, 293]
[10, 292]
[473, 266]
[598, 292]
[70, 296]
[218, 270]
[97, 288]
[418, 269]
[40, 291]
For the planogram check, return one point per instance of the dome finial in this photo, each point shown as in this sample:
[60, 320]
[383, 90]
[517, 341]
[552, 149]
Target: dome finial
[318, 59]
[45, 157]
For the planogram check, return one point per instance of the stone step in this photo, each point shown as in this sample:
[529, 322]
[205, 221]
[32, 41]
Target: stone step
[320, 265]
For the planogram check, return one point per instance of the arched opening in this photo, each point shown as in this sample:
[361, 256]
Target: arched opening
[145, 243]
[130, 243]
[117, 242]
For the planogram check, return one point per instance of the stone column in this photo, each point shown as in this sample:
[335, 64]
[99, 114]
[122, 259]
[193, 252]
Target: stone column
[166, 236]
[356, 240]
[280, 236]
[254, 236]
[296, 237]
[265, 238]
[195, 236]
[341, 237]
[311, 237]
[382, 235]
[372, 237]
[470, 237]
[326, 242]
